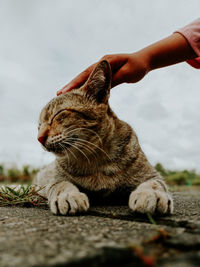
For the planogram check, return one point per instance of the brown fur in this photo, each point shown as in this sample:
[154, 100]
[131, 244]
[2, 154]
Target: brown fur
[102, 153]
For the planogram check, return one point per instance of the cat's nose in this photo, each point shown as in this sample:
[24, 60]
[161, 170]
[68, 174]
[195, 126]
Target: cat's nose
[42, 137]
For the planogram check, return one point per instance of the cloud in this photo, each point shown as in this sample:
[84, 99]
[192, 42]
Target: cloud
[45, 44]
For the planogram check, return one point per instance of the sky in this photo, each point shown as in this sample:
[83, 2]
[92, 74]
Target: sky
[44, 44]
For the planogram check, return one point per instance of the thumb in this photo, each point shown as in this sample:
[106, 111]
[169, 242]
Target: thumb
[77, 82]
[119, 77]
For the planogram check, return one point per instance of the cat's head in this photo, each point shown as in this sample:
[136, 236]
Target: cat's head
[77, 123]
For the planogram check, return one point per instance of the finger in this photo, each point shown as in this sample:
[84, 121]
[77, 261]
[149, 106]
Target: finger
[116, 61]
[78, 81]
[75, 83]
[119, 77]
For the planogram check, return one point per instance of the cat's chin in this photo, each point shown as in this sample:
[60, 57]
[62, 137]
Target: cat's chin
[60, 153]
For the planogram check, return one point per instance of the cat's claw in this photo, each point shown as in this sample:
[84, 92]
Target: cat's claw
[144, 201]
[69, 203]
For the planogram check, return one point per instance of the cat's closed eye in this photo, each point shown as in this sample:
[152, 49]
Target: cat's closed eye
[59, 116]
[62, 115]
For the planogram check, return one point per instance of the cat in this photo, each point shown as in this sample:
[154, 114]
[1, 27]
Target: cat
[95, 153]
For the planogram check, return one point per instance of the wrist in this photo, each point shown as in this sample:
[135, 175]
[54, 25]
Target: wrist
[171, 50]
[150, 57]
[144, 59]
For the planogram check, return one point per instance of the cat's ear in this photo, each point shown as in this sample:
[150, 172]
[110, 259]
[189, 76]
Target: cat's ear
[98, 84]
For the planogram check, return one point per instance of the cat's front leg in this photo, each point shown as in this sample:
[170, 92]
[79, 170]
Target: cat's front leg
[151, 196]
[65, 198]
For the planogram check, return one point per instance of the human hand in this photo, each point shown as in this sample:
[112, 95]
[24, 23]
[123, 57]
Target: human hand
[126, 68]
[130, 68]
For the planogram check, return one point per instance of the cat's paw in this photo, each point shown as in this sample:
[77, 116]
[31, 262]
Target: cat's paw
[151, 201]
[69, 203]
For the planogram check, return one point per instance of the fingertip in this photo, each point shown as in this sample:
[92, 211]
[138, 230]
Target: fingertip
[64, 90]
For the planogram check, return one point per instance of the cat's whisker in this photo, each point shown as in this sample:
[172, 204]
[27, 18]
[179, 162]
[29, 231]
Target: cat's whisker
[68, 149]
[84, 146]
[94, 133]
[68, 132]
[85, 141]
[88, 148]
[91, 151]
[81, 128]
[78, 150]
[71, 127]
[65, 149]
[80, 139]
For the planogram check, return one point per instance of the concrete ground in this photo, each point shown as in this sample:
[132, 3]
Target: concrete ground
[105, 236]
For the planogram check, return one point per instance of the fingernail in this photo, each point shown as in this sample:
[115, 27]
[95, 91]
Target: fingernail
[64, 92]
[66, 89]
[59, 92]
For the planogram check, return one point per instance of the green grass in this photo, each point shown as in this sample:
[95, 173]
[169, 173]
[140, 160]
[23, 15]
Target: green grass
[27, 195]
[26, 174]
[14, 174]
[24, 195]
[179, 177]
[151, 219]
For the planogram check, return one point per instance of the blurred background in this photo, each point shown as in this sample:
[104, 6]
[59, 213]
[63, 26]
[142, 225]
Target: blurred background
[44, 44]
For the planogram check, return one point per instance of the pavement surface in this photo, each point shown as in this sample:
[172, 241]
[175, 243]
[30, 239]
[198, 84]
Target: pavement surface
[105, 236]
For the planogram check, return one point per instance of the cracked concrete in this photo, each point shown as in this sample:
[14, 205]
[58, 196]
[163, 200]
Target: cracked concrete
[105, 235]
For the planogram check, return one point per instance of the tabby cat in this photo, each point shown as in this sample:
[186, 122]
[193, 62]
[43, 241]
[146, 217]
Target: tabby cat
[95, 153]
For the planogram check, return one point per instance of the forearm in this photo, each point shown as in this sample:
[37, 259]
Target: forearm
[171, 50]
[131, 68]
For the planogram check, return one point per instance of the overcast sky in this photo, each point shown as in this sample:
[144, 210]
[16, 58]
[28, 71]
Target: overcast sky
[44, 44]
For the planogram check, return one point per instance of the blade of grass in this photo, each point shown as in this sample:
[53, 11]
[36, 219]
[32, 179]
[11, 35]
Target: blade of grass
[151, 218]
[21, 195]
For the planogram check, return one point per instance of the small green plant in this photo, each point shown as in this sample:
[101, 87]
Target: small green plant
[1, 173]
[179, 178]
[184, 177]
[159, 167]
[23, 175]
[26, 170]
[13, 175]
[196, 180]
[21, 195]
[1, 170]
[151, 219]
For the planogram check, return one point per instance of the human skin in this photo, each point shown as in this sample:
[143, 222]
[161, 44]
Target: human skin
[131, 68]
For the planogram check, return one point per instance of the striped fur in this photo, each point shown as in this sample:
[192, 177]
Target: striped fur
[95, 152]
